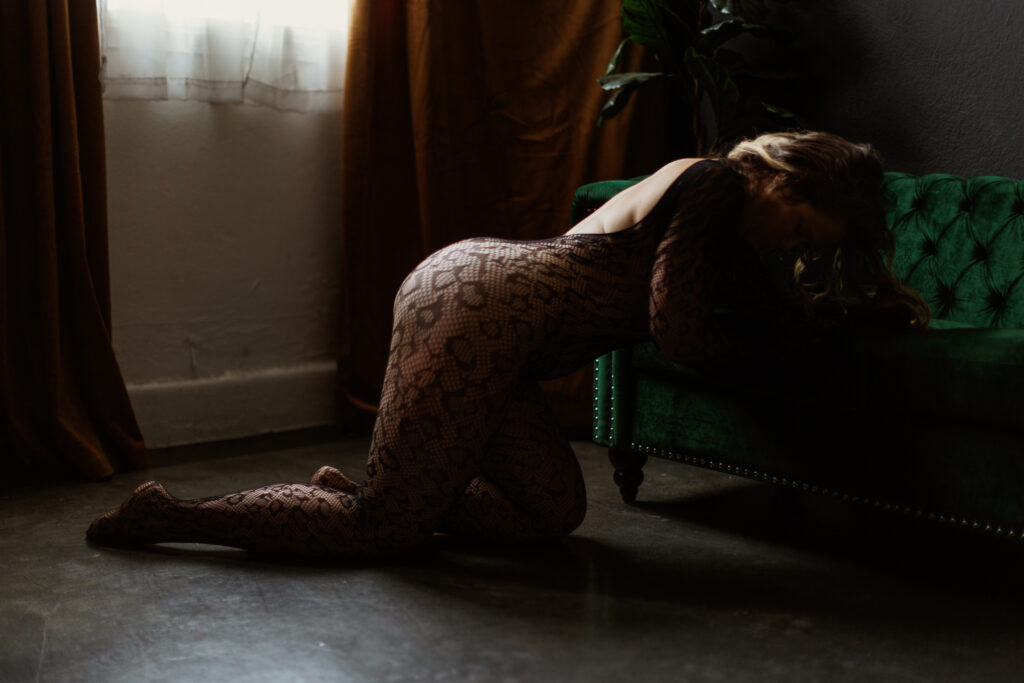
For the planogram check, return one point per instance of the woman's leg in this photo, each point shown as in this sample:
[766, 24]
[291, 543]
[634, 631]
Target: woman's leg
[457, 344]
[293, 518]
[529, 486]
[436, 414]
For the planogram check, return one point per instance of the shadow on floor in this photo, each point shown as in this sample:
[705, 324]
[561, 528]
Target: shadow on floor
[743, 548]
[894, 542]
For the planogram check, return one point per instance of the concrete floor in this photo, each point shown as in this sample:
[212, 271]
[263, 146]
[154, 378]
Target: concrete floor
[710, 578]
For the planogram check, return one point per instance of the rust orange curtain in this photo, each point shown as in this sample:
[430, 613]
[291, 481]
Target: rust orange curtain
[465, 119]
[65, 408]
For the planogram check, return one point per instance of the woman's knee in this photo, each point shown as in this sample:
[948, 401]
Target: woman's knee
[573, 515]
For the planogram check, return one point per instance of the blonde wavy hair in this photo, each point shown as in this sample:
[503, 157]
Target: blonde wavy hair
[854, 277]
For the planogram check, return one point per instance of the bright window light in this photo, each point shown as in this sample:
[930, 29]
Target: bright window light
[329, 14]
[287, 54]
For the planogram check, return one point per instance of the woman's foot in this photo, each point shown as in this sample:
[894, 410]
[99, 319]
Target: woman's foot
[138, 521]
[332, 478]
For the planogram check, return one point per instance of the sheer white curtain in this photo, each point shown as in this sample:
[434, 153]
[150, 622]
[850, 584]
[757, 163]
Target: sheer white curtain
[287, 54]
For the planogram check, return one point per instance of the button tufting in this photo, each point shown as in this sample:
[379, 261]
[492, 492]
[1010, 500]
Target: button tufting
[966, 204]
[1018, 206]
[929, 247]
[945, 296]
[980, 252]
[996, 301]
[917, 202]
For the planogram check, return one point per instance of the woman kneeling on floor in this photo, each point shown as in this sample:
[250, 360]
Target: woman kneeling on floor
[463, 442]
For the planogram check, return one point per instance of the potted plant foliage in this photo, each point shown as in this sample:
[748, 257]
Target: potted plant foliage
[723, 88]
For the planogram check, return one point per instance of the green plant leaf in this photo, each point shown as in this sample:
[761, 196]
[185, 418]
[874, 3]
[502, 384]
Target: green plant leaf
[615, 104]
[751, 10]
[717, 34]
[786, 114]
[632, 79]
[658, 25]
[716, 81]
[613, 63]
[623, 86]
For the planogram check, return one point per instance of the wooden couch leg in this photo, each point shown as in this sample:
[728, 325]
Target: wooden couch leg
[629, 473]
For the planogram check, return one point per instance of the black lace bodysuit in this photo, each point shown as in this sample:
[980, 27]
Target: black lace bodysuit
[463, 441]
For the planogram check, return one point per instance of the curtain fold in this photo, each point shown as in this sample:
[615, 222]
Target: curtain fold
[471, 119]
[65, 408]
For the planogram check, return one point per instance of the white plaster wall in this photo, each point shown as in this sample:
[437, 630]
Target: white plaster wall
[224, 235]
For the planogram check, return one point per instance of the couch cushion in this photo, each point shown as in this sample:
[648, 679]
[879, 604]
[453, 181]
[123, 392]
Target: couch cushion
[961, 374]
[972, 375]
[926, 464]
[960, 242]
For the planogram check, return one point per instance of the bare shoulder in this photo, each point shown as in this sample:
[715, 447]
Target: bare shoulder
[629, 206]
[677, 167]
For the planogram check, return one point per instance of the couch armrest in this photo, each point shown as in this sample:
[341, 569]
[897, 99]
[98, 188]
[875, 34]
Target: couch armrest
[589, 197]
[613, 398]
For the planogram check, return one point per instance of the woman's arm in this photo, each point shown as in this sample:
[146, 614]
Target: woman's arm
[628, 207]
[689, 265]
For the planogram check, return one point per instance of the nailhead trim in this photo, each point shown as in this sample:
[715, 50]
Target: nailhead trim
[612, 398]
[951, 520]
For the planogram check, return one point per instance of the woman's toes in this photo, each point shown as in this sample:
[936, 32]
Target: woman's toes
[330, 477]
[131, 524]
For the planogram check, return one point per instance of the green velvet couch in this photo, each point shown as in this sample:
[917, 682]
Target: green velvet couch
[928, 423]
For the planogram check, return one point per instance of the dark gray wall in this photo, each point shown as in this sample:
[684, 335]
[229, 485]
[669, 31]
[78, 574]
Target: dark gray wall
[936, 85]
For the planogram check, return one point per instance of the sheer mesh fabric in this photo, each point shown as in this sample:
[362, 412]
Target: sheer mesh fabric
[463, 441]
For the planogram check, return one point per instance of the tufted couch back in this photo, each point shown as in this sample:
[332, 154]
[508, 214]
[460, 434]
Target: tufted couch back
[960, 243]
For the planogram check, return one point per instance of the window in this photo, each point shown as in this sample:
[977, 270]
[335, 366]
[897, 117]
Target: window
[287, 54]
